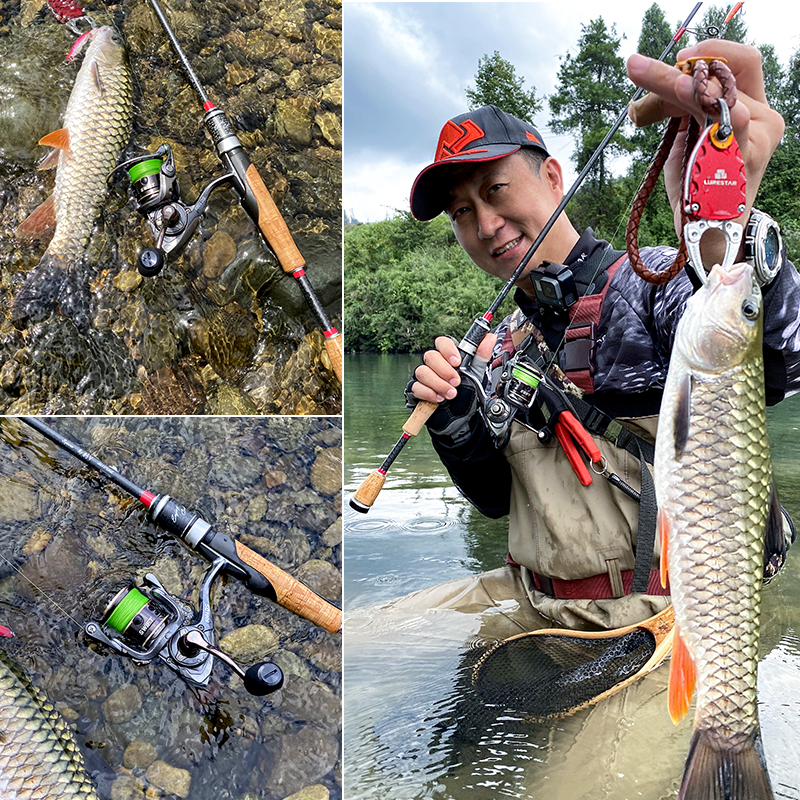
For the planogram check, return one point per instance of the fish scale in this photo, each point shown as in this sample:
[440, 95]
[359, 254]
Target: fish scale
[713, 485]
[39, 757]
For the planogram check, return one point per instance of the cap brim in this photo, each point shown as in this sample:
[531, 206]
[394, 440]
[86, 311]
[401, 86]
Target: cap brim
[430, 194]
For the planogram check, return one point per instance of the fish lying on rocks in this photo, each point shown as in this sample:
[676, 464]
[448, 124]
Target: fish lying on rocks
[97, 124]
[39, 757]
[717, 510]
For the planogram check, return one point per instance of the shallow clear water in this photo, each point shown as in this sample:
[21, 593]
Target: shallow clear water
[412, 731]
[69, 542]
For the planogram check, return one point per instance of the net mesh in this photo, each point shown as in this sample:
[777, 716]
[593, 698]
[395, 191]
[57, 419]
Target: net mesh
[542, 676]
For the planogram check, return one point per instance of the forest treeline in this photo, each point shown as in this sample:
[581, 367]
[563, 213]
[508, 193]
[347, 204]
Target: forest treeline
[407, 281]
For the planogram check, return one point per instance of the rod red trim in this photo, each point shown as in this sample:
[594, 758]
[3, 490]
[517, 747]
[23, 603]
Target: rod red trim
[208, 106]
[330, 332]
[147, 499]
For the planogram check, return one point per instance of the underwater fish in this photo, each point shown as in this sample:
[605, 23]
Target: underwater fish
[717, 505]
[96, 128]
[39, 757]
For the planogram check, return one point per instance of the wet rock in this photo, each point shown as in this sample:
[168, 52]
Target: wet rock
[124, 704]
[305, 757]
[228, 401]
[128, 280]
[294, 118]
[172, 391]
[173, 780]
[317, 792]
[322, 577]
[232, 470]
[219, 251]
[302, 700]
[324, 653]
[326, 472]
[328, 41]
[333, 535]
[331, 126]
[256, 508]
[273, 478]
[250, 644]
[139, 755]
[128, 787]
[20, 500]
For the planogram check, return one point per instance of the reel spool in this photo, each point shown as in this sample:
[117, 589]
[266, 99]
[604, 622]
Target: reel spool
[148, 623]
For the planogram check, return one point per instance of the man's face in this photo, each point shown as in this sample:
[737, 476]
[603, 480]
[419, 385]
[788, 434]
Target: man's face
[498, 209]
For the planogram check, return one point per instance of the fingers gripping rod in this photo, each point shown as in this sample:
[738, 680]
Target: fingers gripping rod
[367, 493]
[256, 199]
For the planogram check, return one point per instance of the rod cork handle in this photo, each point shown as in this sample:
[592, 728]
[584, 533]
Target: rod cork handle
[333, 346]
[272, 224]
[367, 493]
[292, 594]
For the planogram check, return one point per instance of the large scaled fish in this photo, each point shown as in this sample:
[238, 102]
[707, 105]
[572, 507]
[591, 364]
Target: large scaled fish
[96, 128]
[717, 506]
[39, 757]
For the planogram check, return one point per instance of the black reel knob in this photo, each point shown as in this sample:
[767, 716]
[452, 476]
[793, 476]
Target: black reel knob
[263, 678]
[151, 261]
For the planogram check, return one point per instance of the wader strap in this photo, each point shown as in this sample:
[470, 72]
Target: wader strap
[646, 530]
[598, 422]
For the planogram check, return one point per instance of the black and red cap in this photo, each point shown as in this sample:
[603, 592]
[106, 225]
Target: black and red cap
[484, 134]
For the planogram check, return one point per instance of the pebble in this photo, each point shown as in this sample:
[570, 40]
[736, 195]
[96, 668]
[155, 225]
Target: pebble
[139, 755]
[326, 472]
[124, 704]
[172, 780]
[316, 792]
[250, 644]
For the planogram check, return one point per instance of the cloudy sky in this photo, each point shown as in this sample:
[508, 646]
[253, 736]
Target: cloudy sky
[407, 65]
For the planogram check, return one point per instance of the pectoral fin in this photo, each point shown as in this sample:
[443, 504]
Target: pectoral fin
[58, 139]
[775, 544]
[682, 415]
[663, 536]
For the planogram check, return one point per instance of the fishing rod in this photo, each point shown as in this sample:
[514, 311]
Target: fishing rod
[367, 493]
[146, 623]
[155, 187]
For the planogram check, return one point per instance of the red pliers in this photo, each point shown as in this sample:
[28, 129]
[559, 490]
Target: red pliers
[569, 431]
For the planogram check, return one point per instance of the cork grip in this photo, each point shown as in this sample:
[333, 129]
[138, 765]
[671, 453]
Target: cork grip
[272, 224]
[421, 414]
[368, 491]
[333, 346]
[292, 594]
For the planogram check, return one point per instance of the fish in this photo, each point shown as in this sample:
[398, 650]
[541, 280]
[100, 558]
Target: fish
[97, 126]
[720, 525]
[39, 757]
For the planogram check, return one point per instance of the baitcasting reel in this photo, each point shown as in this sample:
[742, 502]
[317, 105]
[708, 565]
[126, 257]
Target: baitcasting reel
[149, 623]
[155, 187]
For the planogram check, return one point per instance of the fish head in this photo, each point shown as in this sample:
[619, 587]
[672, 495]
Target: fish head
[105, 46]
[723, 322]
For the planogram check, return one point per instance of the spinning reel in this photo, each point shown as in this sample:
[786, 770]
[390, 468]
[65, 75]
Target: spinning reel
[149, 623]
[154, 185]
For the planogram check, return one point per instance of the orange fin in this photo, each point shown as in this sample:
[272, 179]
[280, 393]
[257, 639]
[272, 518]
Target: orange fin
[682, 678]
[663, 533]
[40, 223]
[59, 139]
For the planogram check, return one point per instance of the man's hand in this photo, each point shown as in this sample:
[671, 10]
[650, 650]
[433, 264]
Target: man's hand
[757, 127]
[438, 379]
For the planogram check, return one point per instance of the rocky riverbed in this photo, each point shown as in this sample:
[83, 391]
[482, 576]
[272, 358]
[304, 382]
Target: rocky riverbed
[69, 541]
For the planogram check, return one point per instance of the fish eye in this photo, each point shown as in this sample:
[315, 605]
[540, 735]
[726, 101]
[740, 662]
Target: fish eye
[750, 309]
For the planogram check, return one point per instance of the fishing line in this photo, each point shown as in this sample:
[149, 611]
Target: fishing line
[40, 590]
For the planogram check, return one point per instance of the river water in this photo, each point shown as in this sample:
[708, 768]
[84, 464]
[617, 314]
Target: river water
[411, 732]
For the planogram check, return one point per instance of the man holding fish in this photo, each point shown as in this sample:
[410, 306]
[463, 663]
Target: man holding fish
[573, 542]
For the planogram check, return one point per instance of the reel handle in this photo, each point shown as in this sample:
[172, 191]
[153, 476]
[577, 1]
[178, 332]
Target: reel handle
[292, 594]
[367, 493]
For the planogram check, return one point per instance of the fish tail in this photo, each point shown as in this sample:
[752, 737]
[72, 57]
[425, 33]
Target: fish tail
[40, 292]
[720, 767]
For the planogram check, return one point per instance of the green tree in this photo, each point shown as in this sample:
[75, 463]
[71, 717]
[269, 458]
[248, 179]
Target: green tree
[593, 87]
[497, 84]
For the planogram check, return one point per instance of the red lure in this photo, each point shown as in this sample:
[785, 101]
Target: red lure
[65, 10]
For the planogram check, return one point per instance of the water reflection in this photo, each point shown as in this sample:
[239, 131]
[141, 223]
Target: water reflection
[412, 728]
